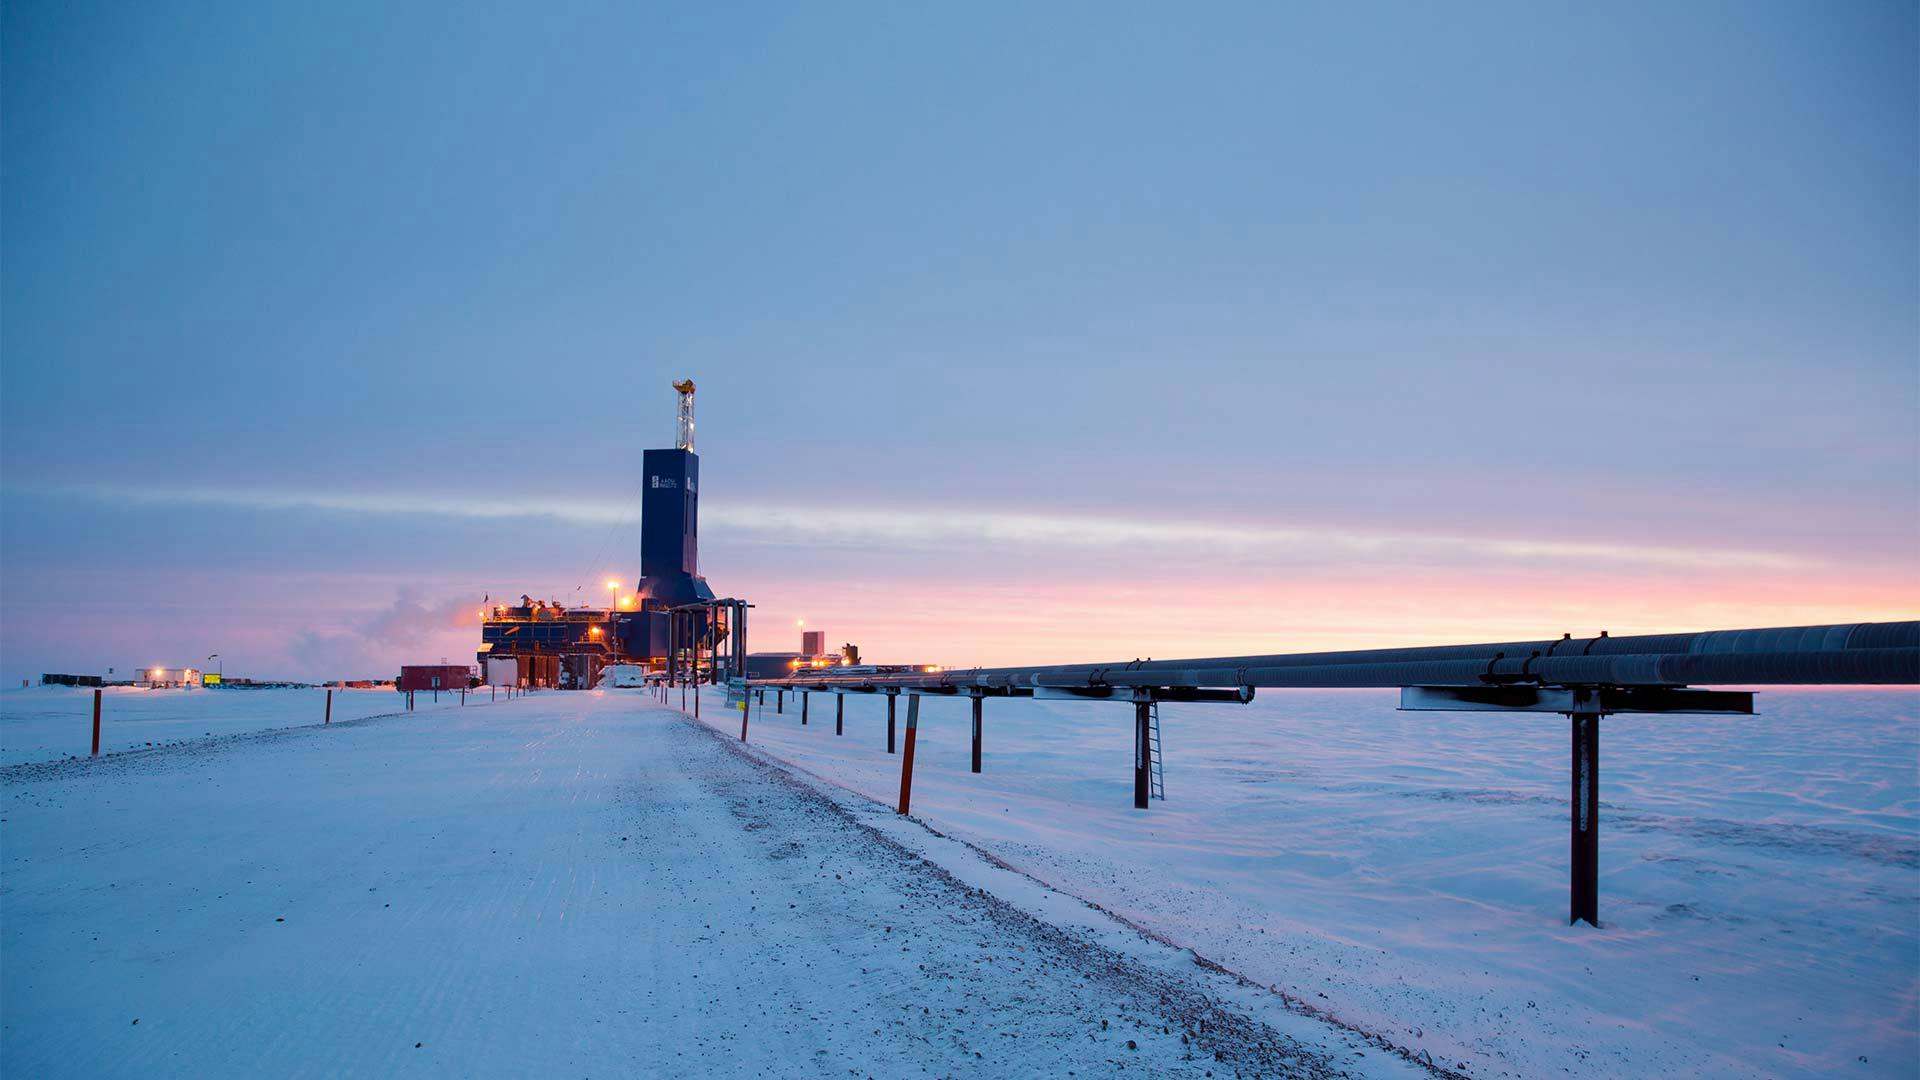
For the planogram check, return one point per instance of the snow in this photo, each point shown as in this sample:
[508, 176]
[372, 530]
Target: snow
[45, 723]
[565, 884]
[1760, 877]
[560, 869]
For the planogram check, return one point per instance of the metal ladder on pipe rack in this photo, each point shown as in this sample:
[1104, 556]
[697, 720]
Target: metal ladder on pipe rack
[1156, 767]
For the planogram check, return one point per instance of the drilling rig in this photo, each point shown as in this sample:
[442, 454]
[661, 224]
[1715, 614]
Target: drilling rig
[542, 643]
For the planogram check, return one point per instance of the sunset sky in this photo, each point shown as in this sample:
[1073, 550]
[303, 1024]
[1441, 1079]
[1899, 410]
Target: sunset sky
[1022, 332]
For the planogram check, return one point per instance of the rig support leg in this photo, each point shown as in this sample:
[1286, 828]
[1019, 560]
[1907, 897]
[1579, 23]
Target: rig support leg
[893, 696]
[1584, 889]
[839, 714]
[977, 700]
[906, 757]
[1142, 753]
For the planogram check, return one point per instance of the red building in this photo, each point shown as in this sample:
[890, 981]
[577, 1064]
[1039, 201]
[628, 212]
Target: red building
[434, 677]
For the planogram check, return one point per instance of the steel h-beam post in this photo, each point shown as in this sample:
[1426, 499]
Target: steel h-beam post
[893, 696]
[780, 701]
[1142, 751]
[804, 698]
[906, 758]
[839, 714]
[978, 698]
[1584, 887]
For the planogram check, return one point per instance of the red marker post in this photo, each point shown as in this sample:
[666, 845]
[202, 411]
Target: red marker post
[96, 722]
[329, 716]
[906, 755]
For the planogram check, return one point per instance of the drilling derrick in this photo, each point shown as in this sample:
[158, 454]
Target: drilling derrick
[670, 519]
[683, 436]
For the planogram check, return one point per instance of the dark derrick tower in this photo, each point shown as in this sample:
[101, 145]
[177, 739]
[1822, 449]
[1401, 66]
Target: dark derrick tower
[670, 519]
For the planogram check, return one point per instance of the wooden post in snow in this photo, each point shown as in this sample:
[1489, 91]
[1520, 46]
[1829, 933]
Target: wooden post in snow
[906, 756]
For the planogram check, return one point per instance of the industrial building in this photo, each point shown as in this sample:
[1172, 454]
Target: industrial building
[433, 677]
[672, 622]
[813, 655]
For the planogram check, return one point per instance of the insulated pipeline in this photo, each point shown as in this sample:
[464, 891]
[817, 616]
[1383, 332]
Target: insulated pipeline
[1849, 653]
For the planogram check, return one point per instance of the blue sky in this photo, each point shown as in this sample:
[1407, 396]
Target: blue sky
[318, 322]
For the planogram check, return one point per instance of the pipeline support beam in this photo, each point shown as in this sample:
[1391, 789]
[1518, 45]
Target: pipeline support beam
[1142, 753]
[893, 696]
[1584, 881]
[977, 700]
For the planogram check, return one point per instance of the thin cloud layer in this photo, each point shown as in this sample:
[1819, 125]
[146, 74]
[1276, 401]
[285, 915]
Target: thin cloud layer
[923, 528]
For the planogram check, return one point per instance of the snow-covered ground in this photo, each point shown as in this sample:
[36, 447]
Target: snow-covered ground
[1407, 872]
[45, 723]
[564, 885]
[553, 862]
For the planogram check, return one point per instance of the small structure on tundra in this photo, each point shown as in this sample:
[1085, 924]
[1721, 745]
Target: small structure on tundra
[434, 677]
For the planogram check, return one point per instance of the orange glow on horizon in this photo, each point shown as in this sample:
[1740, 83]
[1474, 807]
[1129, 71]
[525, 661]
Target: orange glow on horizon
[1019, 623]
